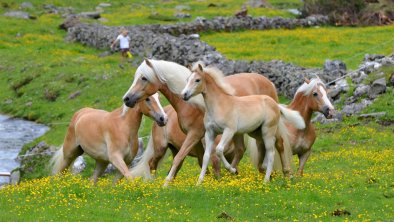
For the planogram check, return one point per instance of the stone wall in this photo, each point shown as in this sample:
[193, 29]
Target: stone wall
[181, 44]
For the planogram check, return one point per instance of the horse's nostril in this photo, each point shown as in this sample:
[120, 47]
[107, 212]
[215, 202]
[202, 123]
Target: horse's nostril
[161, 118]
[126, 99]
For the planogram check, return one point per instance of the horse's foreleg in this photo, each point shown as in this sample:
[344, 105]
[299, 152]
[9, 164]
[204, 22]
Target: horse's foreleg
[99, 170]
[209, 141]
[269, 143]
[303, 158]
[191, 140]
[227, 136]
[239, 150]
[117, 160]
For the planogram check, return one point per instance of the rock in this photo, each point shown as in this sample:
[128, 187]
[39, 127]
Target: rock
[294, 11]
[259, 4]
[361, 90]
[372, 115]
[323, 120]
[391, 80]
[74, 95]
[182, 15]
[103, 20]
[79, 165]
[353, 108]
[104, 5]
[373, 57]
[70, 21]
[15, 177]
[334, 65]
[19, 14]
[378, 87]
[92, 15]
[359, 77]
[183, 8]
[26, 5]
[28, 104]
[105, 54]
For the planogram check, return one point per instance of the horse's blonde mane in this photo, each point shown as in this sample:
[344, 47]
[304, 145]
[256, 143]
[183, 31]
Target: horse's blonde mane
[218, 77]
[307, 88]
[169, 73]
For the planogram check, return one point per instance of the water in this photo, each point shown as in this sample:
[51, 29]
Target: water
[14, 133]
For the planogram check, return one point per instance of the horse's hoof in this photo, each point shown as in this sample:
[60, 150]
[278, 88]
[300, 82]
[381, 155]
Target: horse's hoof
[233, 170]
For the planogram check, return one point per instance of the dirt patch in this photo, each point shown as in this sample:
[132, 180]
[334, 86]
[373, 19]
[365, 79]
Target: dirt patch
[340, 212]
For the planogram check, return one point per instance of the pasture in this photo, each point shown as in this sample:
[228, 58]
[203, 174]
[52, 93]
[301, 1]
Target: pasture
[349, 176]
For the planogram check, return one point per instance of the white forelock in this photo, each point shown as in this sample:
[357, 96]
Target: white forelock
[307, 88]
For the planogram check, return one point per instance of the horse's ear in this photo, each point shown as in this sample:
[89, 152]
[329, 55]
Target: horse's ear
[200, 68]
[148, 63]
[189, 66]
[307, 80]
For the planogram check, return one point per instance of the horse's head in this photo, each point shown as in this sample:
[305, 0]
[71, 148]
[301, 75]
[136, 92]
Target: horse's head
[318, 99]
[195, 83]
[152, 108]
[145, 84]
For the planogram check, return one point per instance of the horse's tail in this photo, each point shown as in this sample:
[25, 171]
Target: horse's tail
[57, 161]
[142, 169]
[284, 134]
[254, 153]
[293, 117]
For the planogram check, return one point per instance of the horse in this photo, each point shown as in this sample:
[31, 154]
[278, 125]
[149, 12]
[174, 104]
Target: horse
[310, 97]
[170, 78]
[107, 136]
[257, 115]
[171, 136]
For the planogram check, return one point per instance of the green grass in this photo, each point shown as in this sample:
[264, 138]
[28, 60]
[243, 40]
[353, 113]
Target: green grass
[351, 166]
[308, 47]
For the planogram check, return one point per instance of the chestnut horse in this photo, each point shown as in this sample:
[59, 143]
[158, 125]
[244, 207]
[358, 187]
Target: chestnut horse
[107, 136]
[257, 115]
[170, 78]
[310, 97]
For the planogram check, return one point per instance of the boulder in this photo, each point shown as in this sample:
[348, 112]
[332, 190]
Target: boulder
[92, 15]
[378, 87]
[19, 14]
[26, 5]
[79, 165]
[361, 90]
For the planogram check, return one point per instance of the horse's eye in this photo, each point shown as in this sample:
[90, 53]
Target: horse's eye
[147, 99]
[198, 80]
[315, 94]
[143, 78]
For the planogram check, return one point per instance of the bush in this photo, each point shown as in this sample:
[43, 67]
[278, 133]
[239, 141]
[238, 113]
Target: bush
[353, 12]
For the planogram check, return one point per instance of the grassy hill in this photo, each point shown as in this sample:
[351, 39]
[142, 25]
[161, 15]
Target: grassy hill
[350, 170]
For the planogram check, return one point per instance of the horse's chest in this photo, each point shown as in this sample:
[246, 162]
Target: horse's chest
[301, 144]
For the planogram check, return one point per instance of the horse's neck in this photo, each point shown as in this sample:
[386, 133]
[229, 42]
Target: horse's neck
[132, 118]
[300, 104]
[174, 99]
[213, 95]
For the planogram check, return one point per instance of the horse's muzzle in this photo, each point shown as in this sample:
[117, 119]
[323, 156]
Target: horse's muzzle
[185, 96]
[328, 113]
[162, 121]
[130, 100]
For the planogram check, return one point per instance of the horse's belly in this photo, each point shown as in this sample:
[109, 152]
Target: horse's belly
[98, 152]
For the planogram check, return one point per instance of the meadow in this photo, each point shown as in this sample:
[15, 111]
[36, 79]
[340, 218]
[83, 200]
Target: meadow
[349, 176]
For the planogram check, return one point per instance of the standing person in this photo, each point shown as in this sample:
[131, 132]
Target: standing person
[124, 42]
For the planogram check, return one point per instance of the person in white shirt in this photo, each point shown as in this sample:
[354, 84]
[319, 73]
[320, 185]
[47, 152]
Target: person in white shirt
[124, 42]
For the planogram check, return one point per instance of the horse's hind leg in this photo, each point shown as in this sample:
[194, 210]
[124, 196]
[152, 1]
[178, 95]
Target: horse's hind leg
[99, 170]
[239, 150]
[269, 142]
[286, 167]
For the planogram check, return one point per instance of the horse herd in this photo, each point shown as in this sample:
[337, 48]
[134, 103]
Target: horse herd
[204, 104]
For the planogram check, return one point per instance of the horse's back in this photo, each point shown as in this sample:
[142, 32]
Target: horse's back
[256, 84]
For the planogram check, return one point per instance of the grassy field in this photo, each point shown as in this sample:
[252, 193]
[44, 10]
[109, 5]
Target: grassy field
[350, 171]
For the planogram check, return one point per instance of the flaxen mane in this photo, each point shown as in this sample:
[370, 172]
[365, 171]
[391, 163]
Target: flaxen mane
[218, 77]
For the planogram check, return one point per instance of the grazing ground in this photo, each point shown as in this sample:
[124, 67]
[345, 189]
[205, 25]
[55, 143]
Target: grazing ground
[349, 175]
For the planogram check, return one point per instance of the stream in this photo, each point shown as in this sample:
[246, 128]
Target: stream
[14, 133]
